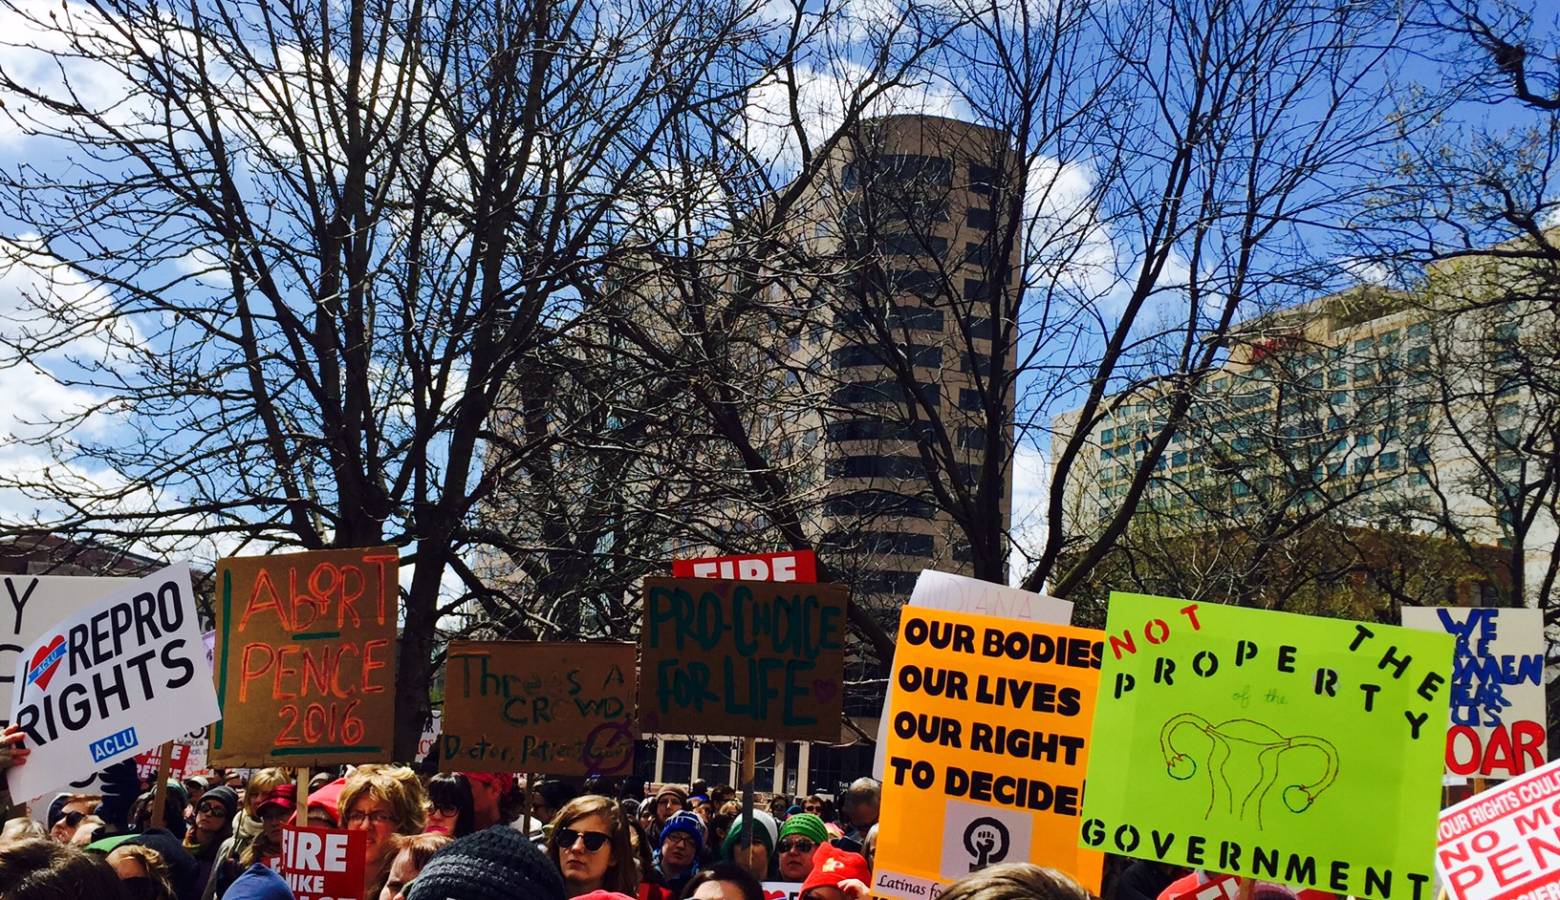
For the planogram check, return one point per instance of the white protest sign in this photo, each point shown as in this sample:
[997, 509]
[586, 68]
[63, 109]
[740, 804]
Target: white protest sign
[959, 593]
[1503, 844]
[1497, 688]
[116, 678]
[31, 603]
[782, 890]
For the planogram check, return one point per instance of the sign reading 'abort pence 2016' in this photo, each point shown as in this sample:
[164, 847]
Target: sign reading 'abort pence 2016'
[306, 658]
[987, 749]
[1497, 688]
[552, 708]
[122, 675]
[1270, 745]
[742, 658]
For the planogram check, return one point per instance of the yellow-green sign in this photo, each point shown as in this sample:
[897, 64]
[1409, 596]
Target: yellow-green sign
[1280, 747]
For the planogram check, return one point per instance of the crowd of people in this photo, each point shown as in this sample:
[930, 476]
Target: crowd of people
[462, 835]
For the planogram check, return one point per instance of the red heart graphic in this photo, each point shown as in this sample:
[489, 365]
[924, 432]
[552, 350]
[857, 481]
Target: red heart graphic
[42, 654]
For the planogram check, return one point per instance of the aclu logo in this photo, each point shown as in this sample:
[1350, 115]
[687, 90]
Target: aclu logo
[114, 744]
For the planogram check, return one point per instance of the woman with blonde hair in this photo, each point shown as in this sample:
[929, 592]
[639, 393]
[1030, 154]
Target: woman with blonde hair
[382, 801]
[589, 844]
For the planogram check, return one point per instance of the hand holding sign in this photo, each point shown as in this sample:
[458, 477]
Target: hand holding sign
[13, 752]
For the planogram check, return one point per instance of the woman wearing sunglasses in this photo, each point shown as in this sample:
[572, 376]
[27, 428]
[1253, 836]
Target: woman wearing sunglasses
[589, 845]
[214, 813]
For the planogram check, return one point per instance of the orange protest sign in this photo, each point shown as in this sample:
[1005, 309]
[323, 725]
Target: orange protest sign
[305, 658]
[988, 743]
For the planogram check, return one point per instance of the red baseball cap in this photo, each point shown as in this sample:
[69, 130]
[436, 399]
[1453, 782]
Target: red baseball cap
[501, 780]
[283, 795]
[831, 865]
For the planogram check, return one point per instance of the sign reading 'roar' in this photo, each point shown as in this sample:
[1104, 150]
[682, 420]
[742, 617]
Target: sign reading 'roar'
[305, 662]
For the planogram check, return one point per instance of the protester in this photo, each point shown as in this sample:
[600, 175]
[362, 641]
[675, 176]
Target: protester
[869, 849]
[88, 831]
[181, 868]
[800, 837]
[1015, 881]
[382, 800]
[1144, 879]
[451, 809]
[678, 857]
[49, 870]
[65, 814]
[22, 828]
[142, 872]
[589, 844]
[412, 852]
[837, 875]
[646, 818]
[862, 801]
[724, 881]
[246, 827]
[777, 807]
[173, 810]
[814, 804]
[325, 804]
[650, 886]
[492, 864]
[548, 798]
[272, 810]
[487, 796]
[195, 787]
[258, 883]
[755, 857]
[214, 814]
[669, 800]
[719, 826]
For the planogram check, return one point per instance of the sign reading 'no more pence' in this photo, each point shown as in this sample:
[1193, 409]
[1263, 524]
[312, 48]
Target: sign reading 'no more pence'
[552, 708]
[305, 663]
[742, 658]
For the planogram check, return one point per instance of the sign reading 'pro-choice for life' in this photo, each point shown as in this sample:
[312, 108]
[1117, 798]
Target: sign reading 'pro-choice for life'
[987, 748]
[1504, 844]
[1270, 745]
[1497, 688]
[742, 658]
[306, 658]
[122, 675]
[324, 864]
[553, 708]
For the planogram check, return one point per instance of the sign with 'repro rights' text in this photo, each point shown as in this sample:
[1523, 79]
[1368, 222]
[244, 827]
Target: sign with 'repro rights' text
[1270, 745]
[121, 676]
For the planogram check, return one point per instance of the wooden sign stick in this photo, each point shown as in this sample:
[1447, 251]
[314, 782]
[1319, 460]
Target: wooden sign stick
[302, 816]
[749, 751]
[160, 795]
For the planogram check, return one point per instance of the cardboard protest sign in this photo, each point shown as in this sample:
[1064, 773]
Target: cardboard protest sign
[987, 751]
[553, 708]
[1497, 688]
[1504, 844]
[324, 863]
[120, 676]
[960, 593]
[1275, 746]
[33, 603]
[791, 565]
[306, 658]
[742, 658]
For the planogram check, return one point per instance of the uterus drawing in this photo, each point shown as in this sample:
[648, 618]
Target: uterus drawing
[1241, 759]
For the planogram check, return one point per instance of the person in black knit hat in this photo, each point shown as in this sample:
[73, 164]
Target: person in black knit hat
[497, 863]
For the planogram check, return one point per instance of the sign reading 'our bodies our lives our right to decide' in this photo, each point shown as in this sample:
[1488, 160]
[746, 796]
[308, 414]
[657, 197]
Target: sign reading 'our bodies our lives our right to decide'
[305, 663]
[1275, 746]
[987, 749]
[123, 674]
[742, 658]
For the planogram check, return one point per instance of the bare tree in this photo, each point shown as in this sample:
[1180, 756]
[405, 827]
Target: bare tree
[322, 241]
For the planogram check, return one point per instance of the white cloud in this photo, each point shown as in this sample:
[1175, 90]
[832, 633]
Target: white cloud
[1031, 495]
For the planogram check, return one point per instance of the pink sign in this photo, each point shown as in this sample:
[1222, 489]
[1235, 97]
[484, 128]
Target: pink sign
[1504, 844]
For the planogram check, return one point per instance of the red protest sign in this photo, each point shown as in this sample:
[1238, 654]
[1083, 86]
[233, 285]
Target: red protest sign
[178, 762]
[792, 565]
[1504, 843]
[323, 863]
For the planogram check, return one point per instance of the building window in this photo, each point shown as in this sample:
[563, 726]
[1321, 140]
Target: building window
[983, 179]
[977, 254]
[909, 317]
[977, 289]
[1362, 465]
[1419, 329]
[898, 543]
[972, 438]
[867, 503]
[874, 467]
[882, 392]
[1389, 460]
[873, 355]
[983, 219]
[970, 399]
